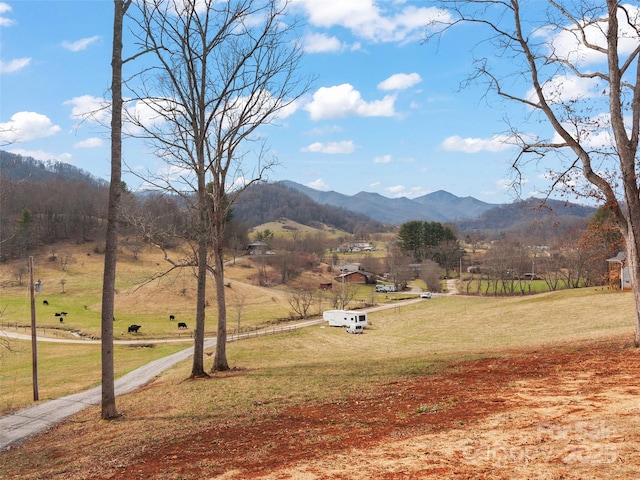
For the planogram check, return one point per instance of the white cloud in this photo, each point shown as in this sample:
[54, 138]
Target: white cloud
[398, 191]
[330, 147]
[343, 100]
[14, 65]
[81, 44]
[510, 184]
[93, 142]
[25, 126]
[382, 159]
[4, 21]
[567, 43]
[400, 81]
[593, 132]
[170, 173]
[497, 143]
[414, 192]
[288, 110]
[318, 42]
[319, 184]
[372, 20]
[504, 184]
[89, 107]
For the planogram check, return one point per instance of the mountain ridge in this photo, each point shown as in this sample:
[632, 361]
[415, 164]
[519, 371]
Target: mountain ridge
[368, 211]
[439, 206]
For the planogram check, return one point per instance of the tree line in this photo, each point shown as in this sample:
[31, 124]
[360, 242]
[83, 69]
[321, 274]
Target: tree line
[40, 212]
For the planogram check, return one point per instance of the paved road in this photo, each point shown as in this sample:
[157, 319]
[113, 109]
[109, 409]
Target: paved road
[29, 421]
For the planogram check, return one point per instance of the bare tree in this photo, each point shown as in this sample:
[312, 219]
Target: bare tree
[399, 266]
[19, 273]
[238, 300]
[135, 245]
[343, 294]
[588, 44]
[220, 71]
[108, 402]
[301, 301]
[430, 274]
[66, 258]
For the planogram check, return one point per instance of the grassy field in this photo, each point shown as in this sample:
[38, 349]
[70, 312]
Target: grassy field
[321, 364]
[64, 369]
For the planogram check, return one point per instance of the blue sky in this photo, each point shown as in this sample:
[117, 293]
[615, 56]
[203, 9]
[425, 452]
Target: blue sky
[385, 113]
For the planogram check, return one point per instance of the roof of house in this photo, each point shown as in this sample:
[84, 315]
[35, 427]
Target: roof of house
[620, 257]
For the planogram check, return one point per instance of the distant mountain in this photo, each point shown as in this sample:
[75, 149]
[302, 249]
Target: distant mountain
[535, 219]
[438, 206]
[268, 202]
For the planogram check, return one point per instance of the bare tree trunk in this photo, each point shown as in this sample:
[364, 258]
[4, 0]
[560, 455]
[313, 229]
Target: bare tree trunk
[633, 263]
[109, 410]
[220, 362]
[197, 368]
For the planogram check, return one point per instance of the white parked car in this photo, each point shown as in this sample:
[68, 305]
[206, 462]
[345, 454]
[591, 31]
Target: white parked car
[425, 295]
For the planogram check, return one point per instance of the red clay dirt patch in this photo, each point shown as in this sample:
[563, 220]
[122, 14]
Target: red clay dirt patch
[549, 414]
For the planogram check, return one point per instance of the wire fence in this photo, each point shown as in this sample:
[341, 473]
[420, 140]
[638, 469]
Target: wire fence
[233, 334]
[257, 332]
[40, 331]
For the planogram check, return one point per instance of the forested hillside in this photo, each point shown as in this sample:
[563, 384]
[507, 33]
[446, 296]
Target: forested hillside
[42, 203]
[18, 168]
[532, 218]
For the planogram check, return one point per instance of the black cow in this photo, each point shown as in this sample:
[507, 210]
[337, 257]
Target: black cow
[182, 325]
[172, 317]
[61, 320]
[58, 314]
[44, 302]
[64, 314]
[134, 328]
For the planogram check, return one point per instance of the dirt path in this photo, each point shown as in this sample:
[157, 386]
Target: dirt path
[565, 413]
[452, 287]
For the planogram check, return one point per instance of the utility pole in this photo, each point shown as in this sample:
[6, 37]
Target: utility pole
[34, 342]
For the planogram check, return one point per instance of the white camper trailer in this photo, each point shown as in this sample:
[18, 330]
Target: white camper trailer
[346, 318]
